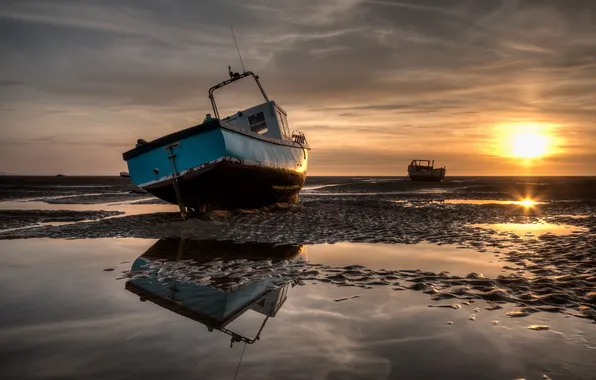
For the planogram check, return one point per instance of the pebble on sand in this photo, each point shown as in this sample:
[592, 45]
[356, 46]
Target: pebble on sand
[454, 306]
[539, 327]
[517, 313]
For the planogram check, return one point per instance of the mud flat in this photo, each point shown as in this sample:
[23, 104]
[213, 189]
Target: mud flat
[553, 269]
[13, 219]
[384, 276]
[548, 247]
[96, 198]
[28, 187]
[502, 188]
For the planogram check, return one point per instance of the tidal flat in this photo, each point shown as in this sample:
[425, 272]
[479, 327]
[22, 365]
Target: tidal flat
[365, 278]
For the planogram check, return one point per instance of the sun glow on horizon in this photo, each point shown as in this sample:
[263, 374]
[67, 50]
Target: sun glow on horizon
[526, 141]
[529, 145]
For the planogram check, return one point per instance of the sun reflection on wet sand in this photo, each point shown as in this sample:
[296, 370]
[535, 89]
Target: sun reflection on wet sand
[526, 203]
[532, 229]
[129, 208]
[422, 256]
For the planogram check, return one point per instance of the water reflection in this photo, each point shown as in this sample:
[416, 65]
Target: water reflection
[525, 203]
[128, 208]
[64, 317]
[173, 274]
[533, 229]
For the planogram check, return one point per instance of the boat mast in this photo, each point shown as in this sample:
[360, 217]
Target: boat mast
[233, 78]
[237, 49]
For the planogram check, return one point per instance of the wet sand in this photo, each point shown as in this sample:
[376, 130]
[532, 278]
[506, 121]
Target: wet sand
[468, 248]
[15, 219]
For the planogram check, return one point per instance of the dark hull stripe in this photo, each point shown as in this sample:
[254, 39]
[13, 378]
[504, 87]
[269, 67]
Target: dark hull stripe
[228, 185]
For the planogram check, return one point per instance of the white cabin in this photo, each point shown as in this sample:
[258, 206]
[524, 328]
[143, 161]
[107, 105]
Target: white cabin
[267, 119]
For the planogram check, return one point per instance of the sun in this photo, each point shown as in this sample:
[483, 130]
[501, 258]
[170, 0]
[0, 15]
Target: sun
[529, 145]
[527, 142]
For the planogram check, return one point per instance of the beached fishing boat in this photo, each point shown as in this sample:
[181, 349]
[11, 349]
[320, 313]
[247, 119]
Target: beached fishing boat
[245, 160]
[425, 171]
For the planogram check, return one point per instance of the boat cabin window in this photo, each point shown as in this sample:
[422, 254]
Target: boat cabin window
[257, 123]
[283, 123]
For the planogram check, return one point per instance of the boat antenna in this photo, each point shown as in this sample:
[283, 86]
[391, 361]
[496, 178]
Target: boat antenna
[240, 361]
[239, 55]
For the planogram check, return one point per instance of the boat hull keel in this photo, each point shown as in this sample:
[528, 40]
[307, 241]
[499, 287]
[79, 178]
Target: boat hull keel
[230, 185]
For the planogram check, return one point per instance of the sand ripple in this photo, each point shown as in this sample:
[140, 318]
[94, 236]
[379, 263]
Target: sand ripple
[530, 294]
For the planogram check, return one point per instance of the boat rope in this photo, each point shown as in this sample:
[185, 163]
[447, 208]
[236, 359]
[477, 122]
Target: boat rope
[240, 361]
[303, 149]
[299, 138]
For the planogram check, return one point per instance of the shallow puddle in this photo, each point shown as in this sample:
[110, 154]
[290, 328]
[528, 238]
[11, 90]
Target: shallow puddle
[46, 224]
[362, 194]
[128, 208]
[423, 256]
[580, 216]
[533, 229]
[522, 203]
[66, 317]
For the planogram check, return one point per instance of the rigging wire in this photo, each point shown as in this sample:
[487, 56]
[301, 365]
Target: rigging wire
[240, 361]
[237, 49]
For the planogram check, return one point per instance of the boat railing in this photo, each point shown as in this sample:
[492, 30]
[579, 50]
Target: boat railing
[233, 78]
[298, 137]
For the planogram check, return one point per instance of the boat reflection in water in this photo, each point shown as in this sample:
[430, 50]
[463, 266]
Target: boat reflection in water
[205, 280]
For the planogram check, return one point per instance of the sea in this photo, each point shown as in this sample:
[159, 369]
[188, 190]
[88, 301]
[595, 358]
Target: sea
[365, 278]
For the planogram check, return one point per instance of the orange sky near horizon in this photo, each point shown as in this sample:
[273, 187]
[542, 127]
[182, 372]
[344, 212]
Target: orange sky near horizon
[499, 88]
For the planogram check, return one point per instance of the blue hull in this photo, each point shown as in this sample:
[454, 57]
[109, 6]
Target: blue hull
[219, 166]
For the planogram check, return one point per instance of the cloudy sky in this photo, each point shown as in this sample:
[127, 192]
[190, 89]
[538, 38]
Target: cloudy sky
[372, 83]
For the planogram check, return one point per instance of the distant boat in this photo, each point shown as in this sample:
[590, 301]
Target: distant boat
[425, 171]
[60, 175]
[246, 160]
[124, 174]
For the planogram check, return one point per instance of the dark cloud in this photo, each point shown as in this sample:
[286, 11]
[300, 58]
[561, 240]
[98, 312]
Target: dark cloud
[12, 83]
[53, 140]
